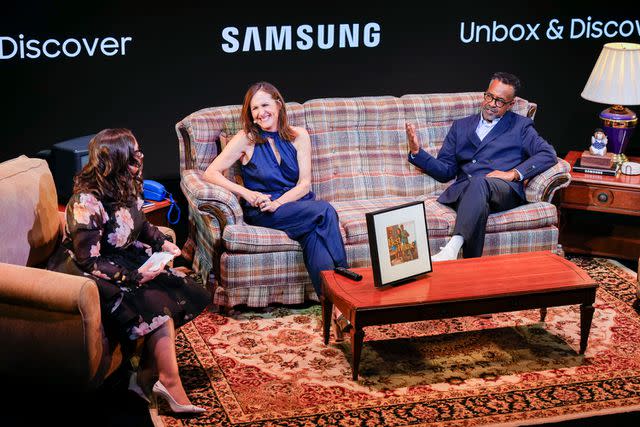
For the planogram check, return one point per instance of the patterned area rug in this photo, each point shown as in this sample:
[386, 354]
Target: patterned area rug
[272, 369]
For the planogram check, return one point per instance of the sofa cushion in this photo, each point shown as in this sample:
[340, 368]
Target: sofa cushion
[353, 219]
[243, 238]
[353, 224]
[28, 212]
[435, 108]
[440, 218]
[359, 150]
[526, 217]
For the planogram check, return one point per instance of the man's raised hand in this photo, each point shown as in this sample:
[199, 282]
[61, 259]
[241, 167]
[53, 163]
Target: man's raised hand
[412, 139]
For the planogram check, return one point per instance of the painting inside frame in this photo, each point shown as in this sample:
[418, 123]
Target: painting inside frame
[399, 244]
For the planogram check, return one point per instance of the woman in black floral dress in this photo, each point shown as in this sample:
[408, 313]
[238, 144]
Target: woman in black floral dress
[108, 238]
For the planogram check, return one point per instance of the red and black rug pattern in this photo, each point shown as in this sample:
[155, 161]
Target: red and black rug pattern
[271, 368]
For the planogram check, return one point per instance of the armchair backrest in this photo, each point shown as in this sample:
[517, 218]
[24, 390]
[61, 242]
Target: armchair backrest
[30, 227]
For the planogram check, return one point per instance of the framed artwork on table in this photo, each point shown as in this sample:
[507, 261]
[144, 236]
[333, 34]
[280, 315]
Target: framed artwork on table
[399, 244]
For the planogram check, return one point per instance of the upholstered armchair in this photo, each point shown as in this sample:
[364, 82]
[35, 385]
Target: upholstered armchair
[51, 331]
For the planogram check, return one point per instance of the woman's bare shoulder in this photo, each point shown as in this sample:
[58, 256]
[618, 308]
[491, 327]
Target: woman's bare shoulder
[300, 131]
[241, 138]
[241, 134]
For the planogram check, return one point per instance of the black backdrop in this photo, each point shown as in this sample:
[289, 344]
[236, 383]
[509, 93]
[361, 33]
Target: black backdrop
[175, 65]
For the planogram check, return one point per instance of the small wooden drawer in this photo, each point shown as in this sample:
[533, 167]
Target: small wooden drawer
[601, 198]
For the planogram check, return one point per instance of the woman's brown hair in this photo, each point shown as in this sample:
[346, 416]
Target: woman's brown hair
[253, 130]
[107, 175]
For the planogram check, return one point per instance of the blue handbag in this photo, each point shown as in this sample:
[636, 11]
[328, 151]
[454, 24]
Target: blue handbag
[153, 190]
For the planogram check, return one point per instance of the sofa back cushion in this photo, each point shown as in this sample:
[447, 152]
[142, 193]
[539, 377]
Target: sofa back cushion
[28, 212]
[359, 149]
[209, 128]
[359, 144]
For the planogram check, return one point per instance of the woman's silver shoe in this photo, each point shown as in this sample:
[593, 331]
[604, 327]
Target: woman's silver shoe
[160, 390]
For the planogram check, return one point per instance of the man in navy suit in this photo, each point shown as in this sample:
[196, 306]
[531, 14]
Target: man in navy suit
[489, 154]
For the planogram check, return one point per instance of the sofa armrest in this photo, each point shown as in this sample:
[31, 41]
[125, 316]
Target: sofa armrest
[211, 198]
[52, 324]
[541, 188]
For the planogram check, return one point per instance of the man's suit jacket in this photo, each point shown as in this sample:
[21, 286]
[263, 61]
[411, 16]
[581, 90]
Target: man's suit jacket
[512, 143]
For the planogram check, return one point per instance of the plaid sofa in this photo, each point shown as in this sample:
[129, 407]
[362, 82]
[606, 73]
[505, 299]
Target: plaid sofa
[359, 164]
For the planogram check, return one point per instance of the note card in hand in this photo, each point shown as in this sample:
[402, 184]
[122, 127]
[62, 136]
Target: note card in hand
[158, 260]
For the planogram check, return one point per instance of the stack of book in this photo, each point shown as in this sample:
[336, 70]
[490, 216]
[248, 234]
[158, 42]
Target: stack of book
[611, 170]
[603, 161]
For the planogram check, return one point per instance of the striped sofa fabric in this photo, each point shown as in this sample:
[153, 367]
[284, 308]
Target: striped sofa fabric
[359, 165]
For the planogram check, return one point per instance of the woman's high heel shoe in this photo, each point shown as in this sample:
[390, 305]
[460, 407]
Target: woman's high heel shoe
[159, 390]
[341, 325]
[339, 335]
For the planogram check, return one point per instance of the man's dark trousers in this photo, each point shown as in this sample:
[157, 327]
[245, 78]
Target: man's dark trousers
[482, 197]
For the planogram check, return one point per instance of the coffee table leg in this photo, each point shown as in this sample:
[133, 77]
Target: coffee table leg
[357, 337]
[327, 306]
[586, 315]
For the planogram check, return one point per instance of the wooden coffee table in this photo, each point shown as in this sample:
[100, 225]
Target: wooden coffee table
[460, 288]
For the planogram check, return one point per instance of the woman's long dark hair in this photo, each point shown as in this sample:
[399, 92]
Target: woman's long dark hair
[107, 174]
[253, 130]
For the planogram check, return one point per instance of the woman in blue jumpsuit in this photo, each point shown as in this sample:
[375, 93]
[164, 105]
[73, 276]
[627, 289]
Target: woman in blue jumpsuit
[276, 171]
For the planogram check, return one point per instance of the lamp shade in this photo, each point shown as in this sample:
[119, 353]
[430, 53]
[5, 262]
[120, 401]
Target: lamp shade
[615, 78]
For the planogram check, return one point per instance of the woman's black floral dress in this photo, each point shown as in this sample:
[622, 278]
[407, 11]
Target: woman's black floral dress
[109, 243]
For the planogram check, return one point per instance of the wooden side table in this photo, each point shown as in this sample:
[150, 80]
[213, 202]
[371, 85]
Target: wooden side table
[156, 212]
[600, 215]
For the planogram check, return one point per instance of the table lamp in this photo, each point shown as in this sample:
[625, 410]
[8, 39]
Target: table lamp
[615, 79]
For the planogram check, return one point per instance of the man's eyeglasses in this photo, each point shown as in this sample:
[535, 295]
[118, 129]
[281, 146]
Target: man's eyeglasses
[499, 101]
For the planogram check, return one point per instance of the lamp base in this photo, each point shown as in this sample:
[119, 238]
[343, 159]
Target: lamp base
[618, 123]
